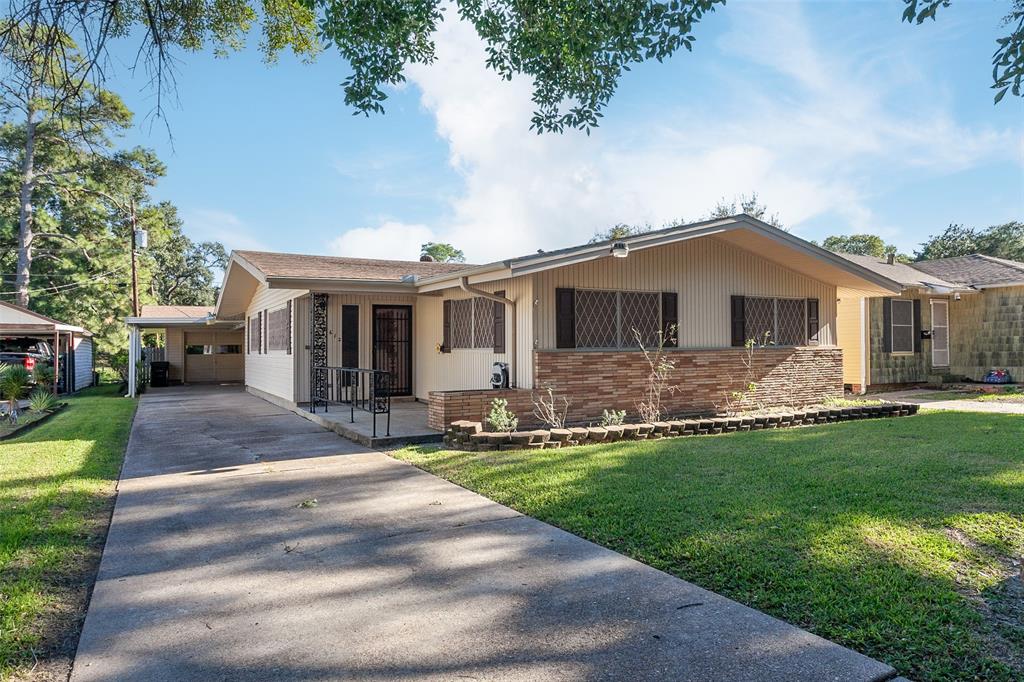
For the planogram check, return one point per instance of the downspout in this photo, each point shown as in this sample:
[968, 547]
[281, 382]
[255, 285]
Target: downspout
[510, 320]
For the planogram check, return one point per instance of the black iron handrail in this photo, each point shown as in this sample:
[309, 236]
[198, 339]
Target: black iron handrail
[368, 390]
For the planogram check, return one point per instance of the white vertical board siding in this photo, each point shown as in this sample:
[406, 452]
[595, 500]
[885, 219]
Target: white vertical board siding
[300, 348]
[704, 272]
[470, 368]
[83, 363]
[271, 371]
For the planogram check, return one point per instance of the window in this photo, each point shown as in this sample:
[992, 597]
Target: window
[195, 349]
[902, 326]
[774, 321]
[613, 319]
[471, 322]
[254, 338]
[279, 329]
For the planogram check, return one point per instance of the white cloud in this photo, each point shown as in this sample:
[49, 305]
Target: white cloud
[825, 141]
[206, 224]
[391, 240]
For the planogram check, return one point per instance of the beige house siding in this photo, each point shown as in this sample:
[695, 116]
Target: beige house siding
[704, 272]
[273, 371]
[850, 332]
[466, 368]
[175, 350]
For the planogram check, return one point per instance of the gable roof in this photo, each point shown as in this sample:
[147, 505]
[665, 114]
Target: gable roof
[172, 311]
[300, 266]
[975, 270]
[15, 318]
[905, 274]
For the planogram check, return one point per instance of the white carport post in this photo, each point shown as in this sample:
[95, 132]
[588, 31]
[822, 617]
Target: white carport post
[133, 358]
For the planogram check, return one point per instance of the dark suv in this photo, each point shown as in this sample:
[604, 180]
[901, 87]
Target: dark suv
[28, 352]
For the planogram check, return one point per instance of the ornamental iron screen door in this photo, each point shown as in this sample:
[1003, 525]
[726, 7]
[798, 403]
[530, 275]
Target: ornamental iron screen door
[392, 345]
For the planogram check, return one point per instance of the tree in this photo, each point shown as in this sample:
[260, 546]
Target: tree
[620, 231]
[442, 252]
[744, 204]
[1008, 59]
[1001, 241]
[863, 245]
[182, 270]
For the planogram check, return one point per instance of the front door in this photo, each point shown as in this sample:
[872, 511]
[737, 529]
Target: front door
[392, 345]
[940, 333]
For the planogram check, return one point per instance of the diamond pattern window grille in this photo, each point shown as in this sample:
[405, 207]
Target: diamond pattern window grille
[483, 322]
[606, 319]
[791, 326]
[775, 321]
[639, 311]
[462, 323]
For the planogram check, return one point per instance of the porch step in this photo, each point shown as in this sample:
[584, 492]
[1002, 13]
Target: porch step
[402, 432]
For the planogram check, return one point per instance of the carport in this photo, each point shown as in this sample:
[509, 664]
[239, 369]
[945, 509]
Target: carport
[198, 348]
[72, 345]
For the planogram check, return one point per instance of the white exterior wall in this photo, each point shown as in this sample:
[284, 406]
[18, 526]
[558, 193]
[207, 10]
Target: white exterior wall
[470, 368]
[272, 371]
[83, 363]
[703, 272]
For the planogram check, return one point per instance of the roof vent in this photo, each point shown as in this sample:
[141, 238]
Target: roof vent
[426, 258]
[890, 258]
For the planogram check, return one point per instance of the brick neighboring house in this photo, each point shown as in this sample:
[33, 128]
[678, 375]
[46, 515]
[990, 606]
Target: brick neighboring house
[562, 318]
[955, 319]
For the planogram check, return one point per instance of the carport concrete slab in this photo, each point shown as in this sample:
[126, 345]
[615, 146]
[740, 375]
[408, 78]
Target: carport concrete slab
[229, 571]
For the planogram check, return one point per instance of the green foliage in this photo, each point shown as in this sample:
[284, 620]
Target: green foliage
[1001, 241]
[899, 538]
[57, 488]
[613, 417]
[1008, 59]
[620, 231]
[41, 400]
[500, 418]
[442, 252]
[750, 205]
[863, 245]
[44, 375]
[14, 380]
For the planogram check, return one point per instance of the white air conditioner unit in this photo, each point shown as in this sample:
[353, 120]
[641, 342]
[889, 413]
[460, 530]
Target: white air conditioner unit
[499, 375]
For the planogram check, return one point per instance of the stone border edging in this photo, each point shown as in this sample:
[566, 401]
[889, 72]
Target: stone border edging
[469, 435]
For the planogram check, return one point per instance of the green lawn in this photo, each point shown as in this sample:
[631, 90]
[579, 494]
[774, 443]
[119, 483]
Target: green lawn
[900, 538]
[56, 493]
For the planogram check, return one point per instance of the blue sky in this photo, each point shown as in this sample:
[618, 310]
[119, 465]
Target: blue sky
[842, 119]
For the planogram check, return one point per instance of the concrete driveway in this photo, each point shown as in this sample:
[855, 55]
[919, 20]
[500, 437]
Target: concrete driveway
[219, 566]
[935, 399]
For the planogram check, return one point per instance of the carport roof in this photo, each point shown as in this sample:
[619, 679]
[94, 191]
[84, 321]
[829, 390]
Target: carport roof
[15, 319]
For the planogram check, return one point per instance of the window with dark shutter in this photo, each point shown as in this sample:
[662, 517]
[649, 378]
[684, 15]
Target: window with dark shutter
[499, 324]
[446, 342]
[670, 318]
[887, 325]
[288, 332]
[917, 325]
[813, 326]
[565, 318]
[902, 326]
[769, 321]
[739, 324]
[279, 329]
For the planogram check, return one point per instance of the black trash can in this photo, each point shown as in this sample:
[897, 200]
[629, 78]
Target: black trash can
[158, 372]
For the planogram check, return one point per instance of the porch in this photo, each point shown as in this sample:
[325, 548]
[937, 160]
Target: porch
[408, 423]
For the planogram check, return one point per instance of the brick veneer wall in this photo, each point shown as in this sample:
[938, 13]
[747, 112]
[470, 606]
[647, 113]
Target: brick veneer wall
[599, 380]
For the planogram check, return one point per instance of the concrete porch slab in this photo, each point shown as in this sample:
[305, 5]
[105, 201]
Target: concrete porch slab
[408, 424]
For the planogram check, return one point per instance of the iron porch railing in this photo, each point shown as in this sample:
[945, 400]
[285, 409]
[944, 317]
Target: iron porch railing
[368, 390]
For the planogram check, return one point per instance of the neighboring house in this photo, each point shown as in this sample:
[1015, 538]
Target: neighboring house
[198, 347]
[29, 337]
[562, 318]
[955, 319]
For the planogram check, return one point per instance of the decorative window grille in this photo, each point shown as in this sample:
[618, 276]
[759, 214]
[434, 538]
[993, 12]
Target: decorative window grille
[902, 326]
[483, 323]
[254, 334]
[607, 319]
[775, 321]
[278, 329]
[462, 323]
[472, 323]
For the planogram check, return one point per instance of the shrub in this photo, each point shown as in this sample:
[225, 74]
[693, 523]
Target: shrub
[500, 418]
[551, 410]
[613, 417]
[41, 400]
[13, 382]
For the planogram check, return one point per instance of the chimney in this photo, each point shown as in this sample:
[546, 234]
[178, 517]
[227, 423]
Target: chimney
[890, 258]
[426, 258]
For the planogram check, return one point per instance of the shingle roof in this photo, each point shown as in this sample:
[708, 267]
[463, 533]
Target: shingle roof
[907, 275]
[185, 311]
[316, 267]
[975, 270]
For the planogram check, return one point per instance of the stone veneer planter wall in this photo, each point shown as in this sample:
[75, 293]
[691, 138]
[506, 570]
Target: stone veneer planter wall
[469, 435]
[598, 380]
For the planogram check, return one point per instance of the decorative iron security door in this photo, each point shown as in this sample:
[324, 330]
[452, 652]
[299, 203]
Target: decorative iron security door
[392, 345]
[317, 348]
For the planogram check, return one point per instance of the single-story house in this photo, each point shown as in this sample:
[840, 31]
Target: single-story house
[955, 319]
[198, 347]
[71, 346]
[563, 319]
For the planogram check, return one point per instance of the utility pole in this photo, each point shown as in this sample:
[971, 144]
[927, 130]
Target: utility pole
[135, 270]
